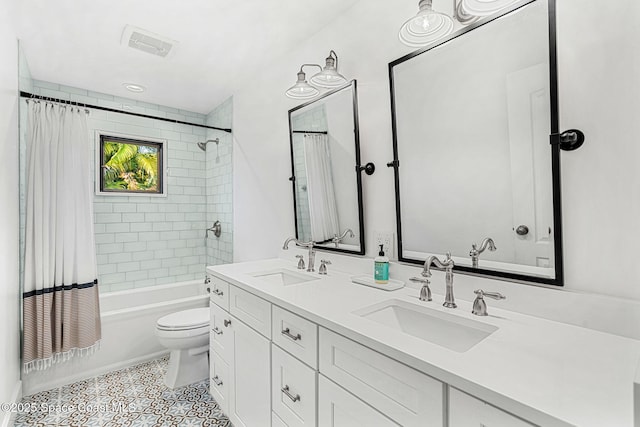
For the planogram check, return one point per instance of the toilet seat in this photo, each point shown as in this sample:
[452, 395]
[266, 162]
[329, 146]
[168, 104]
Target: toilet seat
[186, 320]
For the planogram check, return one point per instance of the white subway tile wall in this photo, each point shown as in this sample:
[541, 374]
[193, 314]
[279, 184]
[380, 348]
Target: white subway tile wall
[219, 187]
[144, 241]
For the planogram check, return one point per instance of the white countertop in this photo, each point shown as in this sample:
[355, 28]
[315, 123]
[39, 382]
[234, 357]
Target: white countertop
[547, 372]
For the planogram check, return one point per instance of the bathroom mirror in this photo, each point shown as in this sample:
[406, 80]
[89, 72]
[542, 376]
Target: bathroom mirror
[472, 115]
[325, 155]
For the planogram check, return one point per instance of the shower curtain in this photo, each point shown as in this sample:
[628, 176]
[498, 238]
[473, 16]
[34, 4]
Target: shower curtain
[322, 199]
[61, 315]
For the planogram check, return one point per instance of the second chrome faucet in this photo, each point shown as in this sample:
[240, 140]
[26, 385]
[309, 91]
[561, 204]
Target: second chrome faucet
[447, 265]
[312, 252]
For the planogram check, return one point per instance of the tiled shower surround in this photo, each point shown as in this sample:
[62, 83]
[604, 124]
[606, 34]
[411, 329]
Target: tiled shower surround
[145, 240]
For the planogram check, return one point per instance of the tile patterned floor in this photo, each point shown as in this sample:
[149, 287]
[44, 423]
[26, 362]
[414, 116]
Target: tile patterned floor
[135, 397]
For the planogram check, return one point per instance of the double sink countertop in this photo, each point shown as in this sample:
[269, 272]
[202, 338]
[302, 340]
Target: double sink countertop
[547, 372]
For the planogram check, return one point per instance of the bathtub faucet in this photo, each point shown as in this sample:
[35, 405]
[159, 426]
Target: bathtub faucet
[310, 245]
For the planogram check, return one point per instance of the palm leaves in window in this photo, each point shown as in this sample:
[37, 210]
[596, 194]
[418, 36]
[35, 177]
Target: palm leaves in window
[132, 167]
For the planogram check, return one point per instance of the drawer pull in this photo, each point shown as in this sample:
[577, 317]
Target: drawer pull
[217, 381]
[287, 333]
[218, 292]
[227, 323]
[217, 331]
[287, 393]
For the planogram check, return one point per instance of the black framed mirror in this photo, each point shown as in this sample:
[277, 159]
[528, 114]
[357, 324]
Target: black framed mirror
[472, 117]
[325, 171]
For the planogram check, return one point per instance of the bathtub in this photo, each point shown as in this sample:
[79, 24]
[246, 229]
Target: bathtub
[128, 325]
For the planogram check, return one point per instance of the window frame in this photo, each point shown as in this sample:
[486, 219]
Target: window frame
[161, 144]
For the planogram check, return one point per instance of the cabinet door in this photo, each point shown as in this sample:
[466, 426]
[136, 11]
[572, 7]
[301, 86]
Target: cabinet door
[250, 402]
[467, 411]
[339, 408]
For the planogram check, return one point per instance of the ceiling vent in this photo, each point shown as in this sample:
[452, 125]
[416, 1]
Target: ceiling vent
[146, 41]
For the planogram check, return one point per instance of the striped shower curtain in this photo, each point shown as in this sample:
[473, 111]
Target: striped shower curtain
[61, 315]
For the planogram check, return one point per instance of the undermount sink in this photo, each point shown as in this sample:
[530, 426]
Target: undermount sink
[283, 277]
[446, 330]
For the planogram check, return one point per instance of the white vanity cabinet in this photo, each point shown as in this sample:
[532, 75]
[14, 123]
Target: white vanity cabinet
[271, 367]
[240, 356]
[467, 411]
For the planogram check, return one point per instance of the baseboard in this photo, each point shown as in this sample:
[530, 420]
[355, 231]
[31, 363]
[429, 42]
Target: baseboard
[9, 418]
[70, 379]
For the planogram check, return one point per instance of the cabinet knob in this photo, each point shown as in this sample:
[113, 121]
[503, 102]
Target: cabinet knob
[227, 323]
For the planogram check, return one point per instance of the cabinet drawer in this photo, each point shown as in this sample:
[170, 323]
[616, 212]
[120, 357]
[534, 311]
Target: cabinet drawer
[403, 394]
[296, 335]
[221, 336]
[339, 408]
[465, 411]
[252, 310]
[293, 389]
[219, 292]
[219, 381]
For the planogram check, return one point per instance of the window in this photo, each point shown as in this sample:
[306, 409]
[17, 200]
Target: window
[130, 166]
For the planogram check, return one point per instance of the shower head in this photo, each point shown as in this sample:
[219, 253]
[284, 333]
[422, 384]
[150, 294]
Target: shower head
[203, 145]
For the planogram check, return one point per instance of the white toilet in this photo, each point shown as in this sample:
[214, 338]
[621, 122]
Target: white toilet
[186, 334]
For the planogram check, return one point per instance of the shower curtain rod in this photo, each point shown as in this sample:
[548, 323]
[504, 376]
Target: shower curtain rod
[324, 132]
[24, 94]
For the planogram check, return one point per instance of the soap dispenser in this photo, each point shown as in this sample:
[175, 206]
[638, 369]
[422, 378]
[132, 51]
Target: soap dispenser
[381, 267]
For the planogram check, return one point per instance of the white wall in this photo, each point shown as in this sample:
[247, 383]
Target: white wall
[9, 214]
[599, 65]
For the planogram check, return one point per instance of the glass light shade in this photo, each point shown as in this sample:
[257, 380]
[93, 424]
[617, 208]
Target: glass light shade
[329, 76]
[426, 27]
[484, 7]
[302, 89]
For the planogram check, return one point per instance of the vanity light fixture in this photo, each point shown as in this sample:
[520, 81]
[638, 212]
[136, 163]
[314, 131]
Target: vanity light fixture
[302, 89]
[329, 76]
[426, 26]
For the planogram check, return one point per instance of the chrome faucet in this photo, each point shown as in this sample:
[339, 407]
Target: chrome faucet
[310, 245]
[447, 265]
[337, 239]
[474, 253]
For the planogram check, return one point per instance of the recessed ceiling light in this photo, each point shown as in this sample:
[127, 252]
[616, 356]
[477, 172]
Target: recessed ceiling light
[132, 87]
